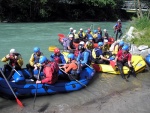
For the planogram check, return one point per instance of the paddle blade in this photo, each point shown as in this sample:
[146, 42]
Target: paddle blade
[51, 48]
[113, 64]
[19, 102]
[61, 35]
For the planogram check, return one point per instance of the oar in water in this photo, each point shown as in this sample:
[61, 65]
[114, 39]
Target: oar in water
[18, 101]
[73, 78]
[37, 86]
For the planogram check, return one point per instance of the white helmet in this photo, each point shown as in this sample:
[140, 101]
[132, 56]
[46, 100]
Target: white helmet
[82, 42]
[81, 29]
[71, 35]
[119, 20]
[74, 31]
[12, 51]
[105, 40]
[71, 28]
[105, 30]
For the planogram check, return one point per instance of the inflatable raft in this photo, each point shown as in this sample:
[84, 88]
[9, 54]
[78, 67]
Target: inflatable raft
[23, 86]
[137, 61]
[61, 36]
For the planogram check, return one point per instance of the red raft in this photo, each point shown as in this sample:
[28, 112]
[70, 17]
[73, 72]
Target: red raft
[61, 36]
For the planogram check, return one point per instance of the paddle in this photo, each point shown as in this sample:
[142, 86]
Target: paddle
[14, 70]
[73, 78]
[113, 64]
[37, 85]
[18, 101]
[61, 35]
[89, 66]
[52, 48]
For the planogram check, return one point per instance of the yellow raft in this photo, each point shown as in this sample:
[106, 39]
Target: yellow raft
[137, 61]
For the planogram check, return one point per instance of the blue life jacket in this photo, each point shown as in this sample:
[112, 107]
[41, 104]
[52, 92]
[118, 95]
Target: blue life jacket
[99, 36]
[89, 35]
[89, 58]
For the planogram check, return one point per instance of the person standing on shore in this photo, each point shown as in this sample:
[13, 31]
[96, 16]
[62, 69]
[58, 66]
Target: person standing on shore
[117, 29]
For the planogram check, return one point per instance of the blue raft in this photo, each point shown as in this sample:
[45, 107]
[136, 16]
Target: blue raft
[23, 86]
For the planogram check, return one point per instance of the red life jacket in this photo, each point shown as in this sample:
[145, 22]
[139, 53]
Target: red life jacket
[51, 73]
[12, 59]
[118, 26]
[123, 57]
[57, 59]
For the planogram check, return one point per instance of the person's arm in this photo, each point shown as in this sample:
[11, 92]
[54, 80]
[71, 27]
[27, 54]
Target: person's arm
[102, 57]
[5, 59]
[31, 61]
[52, 57]
[20, 60]
[70, 67]
[129, 60]
[85, 58]
[62, 59]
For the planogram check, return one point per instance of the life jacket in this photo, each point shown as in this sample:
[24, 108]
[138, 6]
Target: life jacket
[36, 58]
[81, 34]
[65, 41]
[89, 35]
[57, 59]
[123, 57]
[78, 70]
[118, 26]
[99, 36]
[89, 45]
[89, 58]
[72, 45]
[54, 70]
[15, 62]
[76, 36]
[94, 53]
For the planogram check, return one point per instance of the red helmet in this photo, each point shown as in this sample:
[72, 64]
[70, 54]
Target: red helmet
[56, 50]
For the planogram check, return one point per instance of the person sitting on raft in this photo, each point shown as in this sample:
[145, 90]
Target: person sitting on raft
[71, 68]
[15, 62]
[123, 58]
[50, 70]
[106, 36]
[68, 43]
[89, 44]
[76, 37]
[97, 55]
[84, 56]
[81, 35]
[34, 61]
[117, 47]
[57, 57]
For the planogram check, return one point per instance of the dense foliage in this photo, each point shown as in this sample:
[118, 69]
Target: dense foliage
[61, 10]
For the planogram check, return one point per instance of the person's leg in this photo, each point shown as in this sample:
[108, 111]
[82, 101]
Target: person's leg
[116, 35]
[120, 34]
[120, 68]
[30, 69]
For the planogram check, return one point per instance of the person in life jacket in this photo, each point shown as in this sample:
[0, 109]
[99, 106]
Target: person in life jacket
[15, 62]
[89, 33]
[34, 61]
[84, 56]
[72, 67]
[68, 43]
[89, 44]
[106, 36]
[57, 57]
[105, 49]
[117, 29]
[117, 47]
[81, 35]
[97, 55]
[123, 58]
[50, 70]
[70, 31]
[76, 37]
[99, 31]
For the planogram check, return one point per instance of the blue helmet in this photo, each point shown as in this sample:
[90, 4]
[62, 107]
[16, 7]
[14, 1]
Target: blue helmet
[100, 43]
[112, 58]
[36, 49]
[95, 31]
[90, 38]
[42, 59]
[71, 56]
[125, 48]
[121, 43]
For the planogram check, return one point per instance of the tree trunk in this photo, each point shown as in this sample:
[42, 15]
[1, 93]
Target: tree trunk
[140, 10]
[137, 12]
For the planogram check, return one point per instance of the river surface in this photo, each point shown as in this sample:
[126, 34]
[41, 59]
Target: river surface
[106, 93]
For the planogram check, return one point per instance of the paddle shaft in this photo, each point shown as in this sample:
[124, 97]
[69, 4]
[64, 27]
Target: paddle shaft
[37, 84]
[14, 70]
[73, 78]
